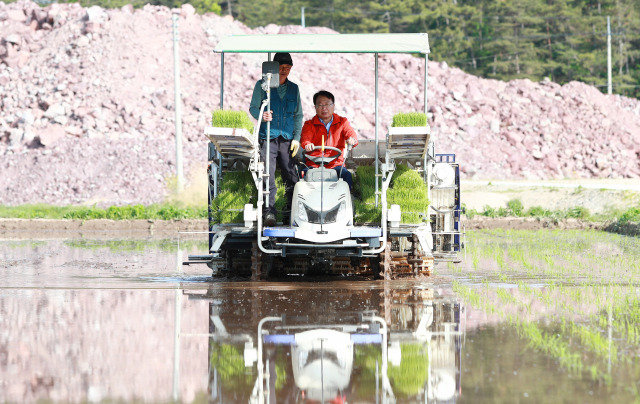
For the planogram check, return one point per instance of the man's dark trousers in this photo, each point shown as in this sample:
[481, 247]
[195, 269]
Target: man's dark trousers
[279, 152]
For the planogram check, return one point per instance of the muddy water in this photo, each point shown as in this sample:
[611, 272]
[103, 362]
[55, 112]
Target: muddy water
[95, 320]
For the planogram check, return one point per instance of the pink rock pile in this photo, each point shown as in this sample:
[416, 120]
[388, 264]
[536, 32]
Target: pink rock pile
[87, 105]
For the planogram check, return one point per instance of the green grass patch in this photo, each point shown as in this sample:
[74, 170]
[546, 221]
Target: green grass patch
[631, 215]
[515, 208]
[627, 223]
[409, 119]
[231, 119]
[127, 212]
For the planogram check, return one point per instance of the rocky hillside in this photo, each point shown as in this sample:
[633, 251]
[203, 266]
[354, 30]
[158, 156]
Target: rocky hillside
[87, 101]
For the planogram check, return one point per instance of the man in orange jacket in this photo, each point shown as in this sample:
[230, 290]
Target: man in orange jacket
[329, 129]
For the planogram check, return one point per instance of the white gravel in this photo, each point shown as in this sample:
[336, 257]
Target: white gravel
[87, 115]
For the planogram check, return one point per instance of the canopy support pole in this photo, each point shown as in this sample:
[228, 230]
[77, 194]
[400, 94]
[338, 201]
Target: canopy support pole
[377, 163]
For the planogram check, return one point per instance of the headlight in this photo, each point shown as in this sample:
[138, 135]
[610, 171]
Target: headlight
[302, 212]
[342, 210]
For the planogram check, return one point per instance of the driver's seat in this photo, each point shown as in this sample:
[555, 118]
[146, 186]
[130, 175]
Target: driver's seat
[318, 174]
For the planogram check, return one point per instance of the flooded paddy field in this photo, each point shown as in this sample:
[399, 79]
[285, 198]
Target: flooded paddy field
[541, 316]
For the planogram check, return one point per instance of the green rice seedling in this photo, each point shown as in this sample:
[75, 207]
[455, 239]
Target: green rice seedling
[571, 293]
[231, 119]
[552, 345]
[406, 189]
[409, 378]
[505, 296]
[409, 119]
[236, 190]
[467, 293]
[475, 260]
[500, 259]
[364, 190]
[593, 341]
[227, 360]
[366, 212]
[364, 184]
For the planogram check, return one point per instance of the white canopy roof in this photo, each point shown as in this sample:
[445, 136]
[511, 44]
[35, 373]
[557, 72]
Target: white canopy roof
[325, 43]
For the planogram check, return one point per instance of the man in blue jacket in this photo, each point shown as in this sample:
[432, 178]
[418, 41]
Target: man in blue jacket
[286, 123]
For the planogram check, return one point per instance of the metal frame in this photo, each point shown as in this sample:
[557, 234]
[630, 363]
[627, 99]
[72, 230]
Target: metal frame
[343, 43]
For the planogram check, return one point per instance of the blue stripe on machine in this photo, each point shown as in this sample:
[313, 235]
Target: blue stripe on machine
[366, 338]
[279, 232]
[279, 339]
[290, 339]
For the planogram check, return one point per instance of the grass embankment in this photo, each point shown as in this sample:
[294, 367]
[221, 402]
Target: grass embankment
[515, 208]
[130, 212]
[622, 222]
[237, 189]
[628, 223]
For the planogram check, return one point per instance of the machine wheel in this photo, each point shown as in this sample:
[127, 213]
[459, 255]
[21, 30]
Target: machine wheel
[256, 262]
[375, 267]
[385, 262]
[260, 265]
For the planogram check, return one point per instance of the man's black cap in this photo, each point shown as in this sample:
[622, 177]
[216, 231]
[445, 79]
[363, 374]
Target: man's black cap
[283, 58]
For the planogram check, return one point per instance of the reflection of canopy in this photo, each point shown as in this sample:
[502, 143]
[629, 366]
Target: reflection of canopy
[325, 43]
[322, 360]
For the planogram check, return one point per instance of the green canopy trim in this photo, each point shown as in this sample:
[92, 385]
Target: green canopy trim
[325, 43]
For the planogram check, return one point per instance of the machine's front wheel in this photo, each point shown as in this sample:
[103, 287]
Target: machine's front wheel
[256, 262]
[385, 262]
[260, 263]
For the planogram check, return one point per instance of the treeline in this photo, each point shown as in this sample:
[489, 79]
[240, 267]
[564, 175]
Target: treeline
[563, 40]
[503, 39]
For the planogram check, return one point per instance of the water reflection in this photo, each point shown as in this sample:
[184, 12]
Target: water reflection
[334, 345]
[121, 320]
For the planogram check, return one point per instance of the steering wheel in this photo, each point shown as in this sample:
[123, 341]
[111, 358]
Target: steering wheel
[324, 159]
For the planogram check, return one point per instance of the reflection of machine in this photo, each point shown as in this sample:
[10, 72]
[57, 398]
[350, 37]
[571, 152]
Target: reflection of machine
[405, 349]
[321, 358]
[322, 361]
[436, 324]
